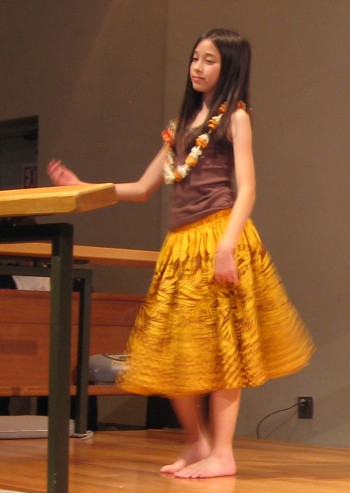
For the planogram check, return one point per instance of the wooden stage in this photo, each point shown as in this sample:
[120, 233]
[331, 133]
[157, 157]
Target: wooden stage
[129, 461]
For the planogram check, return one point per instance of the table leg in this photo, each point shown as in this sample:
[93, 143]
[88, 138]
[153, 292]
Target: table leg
[83, 352]
[60, 343]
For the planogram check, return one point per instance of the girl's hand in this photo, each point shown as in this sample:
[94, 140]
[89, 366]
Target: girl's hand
[225, 270]
[60, 175]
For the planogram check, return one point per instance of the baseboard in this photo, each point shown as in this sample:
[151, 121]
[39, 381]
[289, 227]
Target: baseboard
[26, 427]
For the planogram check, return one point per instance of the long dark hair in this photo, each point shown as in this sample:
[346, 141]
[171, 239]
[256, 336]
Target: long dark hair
[233, 83]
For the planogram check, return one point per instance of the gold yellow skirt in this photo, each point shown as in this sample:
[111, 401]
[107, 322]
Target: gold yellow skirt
[194, 336]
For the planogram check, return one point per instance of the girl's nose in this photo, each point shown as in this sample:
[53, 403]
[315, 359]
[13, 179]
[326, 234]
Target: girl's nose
[198, 66]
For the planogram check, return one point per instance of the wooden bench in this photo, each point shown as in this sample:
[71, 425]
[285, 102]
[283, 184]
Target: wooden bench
[25, 330]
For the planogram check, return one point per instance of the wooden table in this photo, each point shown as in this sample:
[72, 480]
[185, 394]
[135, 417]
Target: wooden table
[48, 201]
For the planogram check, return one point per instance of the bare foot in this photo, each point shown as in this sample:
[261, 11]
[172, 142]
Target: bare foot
[210, 467]
[195, 452]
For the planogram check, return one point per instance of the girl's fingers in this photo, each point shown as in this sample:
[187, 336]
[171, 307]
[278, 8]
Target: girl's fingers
[55, 169]
[229, 278]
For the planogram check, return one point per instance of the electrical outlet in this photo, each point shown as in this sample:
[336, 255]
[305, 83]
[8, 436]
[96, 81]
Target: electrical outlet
[305, 407]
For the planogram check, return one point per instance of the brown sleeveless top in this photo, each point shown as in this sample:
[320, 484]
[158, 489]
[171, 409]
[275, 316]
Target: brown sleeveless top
[207, 188]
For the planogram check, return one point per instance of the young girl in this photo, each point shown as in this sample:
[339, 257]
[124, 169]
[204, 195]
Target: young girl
[216, 317]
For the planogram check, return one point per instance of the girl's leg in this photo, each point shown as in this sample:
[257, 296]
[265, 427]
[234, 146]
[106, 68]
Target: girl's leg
[220, 462]
[189, 411]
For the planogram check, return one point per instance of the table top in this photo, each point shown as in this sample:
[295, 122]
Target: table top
[56, 200]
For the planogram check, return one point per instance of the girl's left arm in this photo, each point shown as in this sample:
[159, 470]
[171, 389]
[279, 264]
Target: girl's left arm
[241, 131]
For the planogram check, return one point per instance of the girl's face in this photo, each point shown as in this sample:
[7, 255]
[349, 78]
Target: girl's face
[205, 67]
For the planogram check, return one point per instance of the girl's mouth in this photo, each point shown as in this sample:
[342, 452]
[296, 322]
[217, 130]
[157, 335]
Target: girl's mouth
[196, 78]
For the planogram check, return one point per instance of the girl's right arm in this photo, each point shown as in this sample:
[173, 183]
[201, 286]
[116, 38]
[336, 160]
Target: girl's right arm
[137, 191]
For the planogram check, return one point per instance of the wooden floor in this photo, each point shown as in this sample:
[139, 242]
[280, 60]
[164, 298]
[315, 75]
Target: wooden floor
[129, 461]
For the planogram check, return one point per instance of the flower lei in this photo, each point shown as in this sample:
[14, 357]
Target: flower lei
[175, 174]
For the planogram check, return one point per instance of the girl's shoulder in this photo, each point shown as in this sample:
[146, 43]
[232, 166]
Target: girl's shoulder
[240, 122]
[240, 113]
[241, 109]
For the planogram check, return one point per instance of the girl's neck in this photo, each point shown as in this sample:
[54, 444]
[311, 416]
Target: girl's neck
[206, 102]
[201, 116]
[205, 107]
[207, 98]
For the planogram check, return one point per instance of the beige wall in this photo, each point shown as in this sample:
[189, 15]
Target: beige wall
[93, 73]
[104, 77]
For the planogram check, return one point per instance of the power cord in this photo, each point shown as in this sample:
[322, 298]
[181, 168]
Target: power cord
[271, 414]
